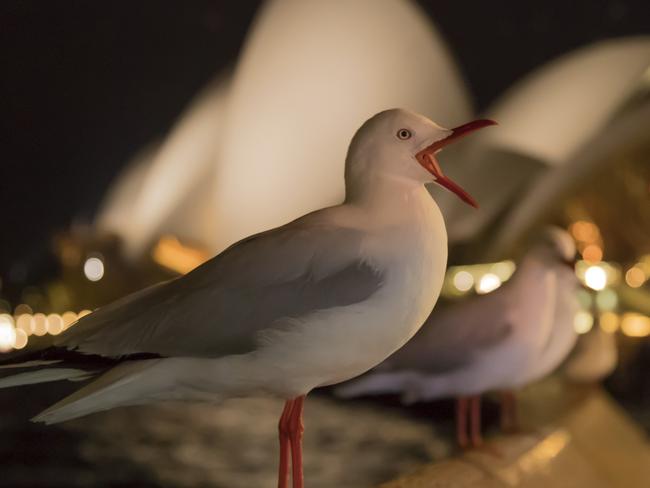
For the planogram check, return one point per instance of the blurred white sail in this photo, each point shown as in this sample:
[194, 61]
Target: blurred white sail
[269, 145]
[310, 73]
[545, 121]
[171, 177]
[554, 111]
[113, 217]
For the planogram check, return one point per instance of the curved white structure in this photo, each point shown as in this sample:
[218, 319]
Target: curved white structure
[310, 73]
[553, 112]
[170, 178]
[258, 150]
[548, 120]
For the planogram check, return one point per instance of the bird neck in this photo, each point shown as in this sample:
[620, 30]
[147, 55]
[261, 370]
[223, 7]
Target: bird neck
[532, 266]
[386, 194]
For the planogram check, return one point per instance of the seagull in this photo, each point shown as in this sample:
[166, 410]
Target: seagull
[594, 358]
[312, 303]
[499, 341]
[562, 336]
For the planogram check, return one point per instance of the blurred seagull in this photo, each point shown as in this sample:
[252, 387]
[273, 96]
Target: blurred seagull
[499, 341]
[315, 302]
[562, 336]
[594, 358]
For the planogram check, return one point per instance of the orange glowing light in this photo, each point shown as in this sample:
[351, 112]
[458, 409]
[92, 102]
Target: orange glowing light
[54, 324]
[635, 277]
[635, 325]
[592, 253]
[69, 318]
[21, 339]
[40, 324]
[609, 322]
[172, 254]
[584, 231]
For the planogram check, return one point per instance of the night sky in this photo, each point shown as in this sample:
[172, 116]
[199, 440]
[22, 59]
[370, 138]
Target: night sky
[86, 84]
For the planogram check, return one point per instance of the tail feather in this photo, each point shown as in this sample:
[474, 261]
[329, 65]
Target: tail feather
[57, 363]
[44, 376]
[120, 386]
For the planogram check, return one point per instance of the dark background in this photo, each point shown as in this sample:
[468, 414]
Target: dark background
[86, 84]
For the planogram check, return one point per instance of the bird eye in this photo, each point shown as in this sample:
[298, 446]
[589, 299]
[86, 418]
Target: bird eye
[403, 134]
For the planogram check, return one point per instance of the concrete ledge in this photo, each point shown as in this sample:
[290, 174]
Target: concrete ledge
[579, 438]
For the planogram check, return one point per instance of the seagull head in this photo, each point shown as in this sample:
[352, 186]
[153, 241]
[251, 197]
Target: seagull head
[401, 144]
[558, 246]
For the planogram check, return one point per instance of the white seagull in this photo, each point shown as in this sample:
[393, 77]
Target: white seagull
[312, 303]
[499, 341]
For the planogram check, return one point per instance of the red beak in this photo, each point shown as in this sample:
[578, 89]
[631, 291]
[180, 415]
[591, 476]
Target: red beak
[426, 157]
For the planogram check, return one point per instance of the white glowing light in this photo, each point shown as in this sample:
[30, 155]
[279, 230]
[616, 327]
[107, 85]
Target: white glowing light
[94, 269]
[463, 281]
[583, 322]
[7, 336]
[595, 277]
[489, 282]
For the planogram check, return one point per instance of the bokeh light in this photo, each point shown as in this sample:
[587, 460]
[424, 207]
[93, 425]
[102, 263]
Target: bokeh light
[40, 324]
[23, 308]
[595, 277]
[592, 253]
[607, 299]
[635, 277]
[584, 231]
[21, 339]
[609, 322]
[25, 322]
[503, 269]
[7, 335]
[488, 282]
[583, 321]
[54, 324]
[94, 269]
[463, 281]
[69, 318]
[635, 325]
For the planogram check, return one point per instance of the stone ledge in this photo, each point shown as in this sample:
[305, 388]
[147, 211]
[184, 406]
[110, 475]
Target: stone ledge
[580, 438]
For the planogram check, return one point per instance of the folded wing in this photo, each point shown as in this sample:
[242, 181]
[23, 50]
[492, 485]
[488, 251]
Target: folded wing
[221, 307]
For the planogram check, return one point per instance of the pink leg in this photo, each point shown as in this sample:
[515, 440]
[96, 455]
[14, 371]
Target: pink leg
[509, 420]
[461, 422]
[296, 430]
[285, 442]
[475, 420]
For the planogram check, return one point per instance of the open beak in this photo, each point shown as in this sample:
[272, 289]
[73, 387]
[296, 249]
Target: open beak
[426, 157]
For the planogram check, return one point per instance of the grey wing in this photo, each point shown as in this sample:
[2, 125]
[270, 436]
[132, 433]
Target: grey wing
[452, 337]
[221, 307]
